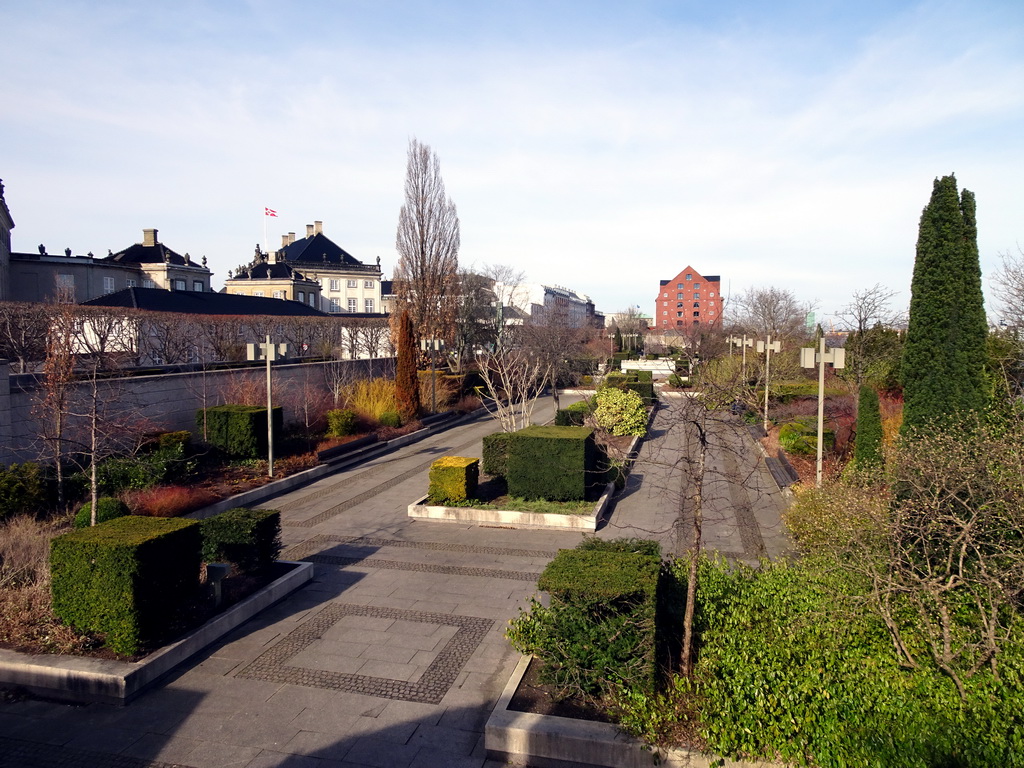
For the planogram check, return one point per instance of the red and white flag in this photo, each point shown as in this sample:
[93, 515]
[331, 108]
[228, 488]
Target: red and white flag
[270, 212]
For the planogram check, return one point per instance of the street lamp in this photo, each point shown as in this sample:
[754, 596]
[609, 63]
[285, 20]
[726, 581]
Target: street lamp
[433, 345]
[743, 343]
[767, 347]
[808, 357]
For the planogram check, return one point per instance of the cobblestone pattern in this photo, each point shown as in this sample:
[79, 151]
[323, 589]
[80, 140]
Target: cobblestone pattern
[272, 666]
[337, 509]
[15, 753]
[316, 543]
[394, 565]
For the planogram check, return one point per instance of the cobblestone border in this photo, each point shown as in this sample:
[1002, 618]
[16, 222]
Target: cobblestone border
[272, 666]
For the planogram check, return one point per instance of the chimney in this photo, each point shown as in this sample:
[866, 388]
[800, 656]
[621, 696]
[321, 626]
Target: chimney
[318, 227]
[275, 257]
[149, 237]
[284, 240]
[291, 238]
[309, 230]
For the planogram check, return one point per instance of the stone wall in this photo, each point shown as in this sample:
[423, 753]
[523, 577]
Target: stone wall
[169, 401]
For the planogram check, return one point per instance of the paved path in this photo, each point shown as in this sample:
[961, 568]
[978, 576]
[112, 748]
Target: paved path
[393, 655]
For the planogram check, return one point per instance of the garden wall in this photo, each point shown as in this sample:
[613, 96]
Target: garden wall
[169, 400]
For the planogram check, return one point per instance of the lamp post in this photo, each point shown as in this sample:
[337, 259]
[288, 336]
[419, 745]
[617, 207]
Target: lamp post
[743, 343]
[808, 357]
[269, 354]
[767, 347]
[433, 345]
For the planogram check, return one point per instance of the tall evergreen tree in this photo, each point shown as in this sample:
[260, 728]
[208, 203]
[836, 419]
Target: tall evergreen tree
[944, 353]
[407, 387]
[867, 451]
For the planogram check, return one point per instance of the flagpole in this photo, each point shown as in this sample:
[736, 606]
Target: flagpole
[265, 217]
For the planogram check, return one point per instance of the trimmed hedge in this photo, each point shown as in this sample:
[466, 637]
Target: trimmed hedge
[131, 578]
[643, 388]
[22, 490]
[600, 629]
[453, 480]
[249, 539]
[553, 463]
[240, 430]
[574, 415]
[341, 422]
[107, 508]
[496, 447]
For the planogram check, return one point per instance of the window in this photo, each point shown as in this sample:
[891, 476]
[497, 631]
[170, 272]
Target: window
[108, 285]
[367, 283]
[335, 285]
[335, 307]
[712, 294]
[679, 305]
[696, 295]
[689, 277]
[147, 283]
[257, 293]
[679, 296]
[179, 285]
[696, 305]
[696, 314]
[679, 287]
[353, 283]
[368, 305]
[711, 312]
[664, 311]
[679, 314]
[302, 297]
[278, 294]
[664, 295]
[197, 286]
[312, 299]
[130, 282]
[352, 305]
[696, 286]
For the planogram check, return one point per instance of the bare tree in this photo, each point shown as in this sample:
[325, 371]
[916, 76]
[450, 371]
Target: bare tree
[772, 311]
[1008, 284]
[23, 331]
[555, 344]
[514, 374]
[58, 383]
[428, 247]
[867, 308]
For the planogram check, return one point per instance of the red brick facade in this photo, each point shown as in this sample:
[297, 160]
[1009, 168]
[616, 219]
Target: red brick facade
[688, 299]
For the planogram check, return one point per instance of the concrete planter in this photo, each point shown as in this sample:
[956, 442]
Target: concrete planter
[84, 679]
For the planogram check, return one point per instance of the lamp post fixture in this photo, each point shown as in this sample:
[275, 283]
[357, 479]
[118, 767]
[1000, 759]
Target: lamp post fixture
[742, 343]
[432, 345]
[808, 357]
[767, 347]
[269, 354]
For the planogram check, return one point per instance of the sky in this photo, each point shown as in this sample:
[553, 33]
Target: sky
[597, 145]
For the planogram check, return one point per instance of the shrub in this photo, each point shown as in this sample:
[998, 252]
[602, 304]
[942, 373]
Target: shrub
[107, 508]
[574, 415]
[553, 463]
[599, 631]
[22, 490]
[676, 381]
[615, 380]
[240, 430]
[620, 413]
[801, 437]
[868, 448]
[496, 447]
[453, 480]
[372, 397]
[180, 438]
[249, 539]
[131, 578]
[643, 388]
[168, 500]
[446, 388]
[341, 422]
[390, 419]
[646, 375]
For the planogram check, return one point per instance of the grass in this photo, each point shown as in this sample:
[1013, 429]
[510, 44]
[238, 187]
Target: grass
[543, 506]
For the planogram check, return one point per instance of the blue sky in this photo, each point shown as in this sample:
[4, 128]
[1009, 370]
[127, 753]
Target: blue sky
[597, 145]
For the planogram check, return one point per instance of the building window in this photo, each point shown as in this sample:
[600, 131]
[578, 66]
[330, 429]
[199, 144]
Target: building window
[312, 299]
[179, 285]
[711, 312]
[679, 286]
[679, 296]
[679, 305]
[368, 305]
[664, 295]
[302, 297]
[696, 305]
[696, 286]
[335, 285]
[679, 314]
[147, 283]
[688, 278]
[664, 311]
[197, 286]
[108, 285]
[696, 295]
[696, 314]
[712, 294]
[335, 307]
[130, 282]
[353, 283]
[257, 293]
[367, 283]
[278, 294]
[352, 305]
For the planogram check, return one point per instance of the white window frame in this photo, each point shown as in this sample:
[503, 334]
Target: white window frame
[108, 285]
[353, 305]
[335, 285]
[353, 283]
[334, 307]
[368, 305]
[368, 284]
[198, 286]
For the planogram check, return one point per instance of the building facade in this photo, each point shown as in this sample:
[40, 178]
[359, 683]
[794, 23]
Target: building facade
[548, 303]
[688, 299]
[268, 276]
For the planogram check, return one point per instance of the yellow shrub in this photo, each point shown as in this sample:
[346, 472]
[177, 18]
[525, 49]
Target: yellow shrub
[372, 397]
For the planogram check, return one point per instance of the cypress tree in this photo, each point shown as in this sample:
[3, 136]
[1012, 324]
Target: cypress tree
[407, 387]
[944, 354]
[867, 451]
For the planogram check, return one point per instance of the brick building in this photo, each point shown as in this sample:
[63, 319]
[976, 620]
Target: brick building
[688, 299]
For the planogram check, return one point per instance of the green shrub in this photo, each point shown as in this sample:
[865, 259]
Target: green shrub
[645, 375]
[390, 419]
[131, 578]
[675, 380]
[240, 430]
[599, 631]
[573, 415]
[643, 388]
[341, 422]
[496, 447]
[800, 436]
[553, 463]
[167, 463]
[867, 450]
[619, 412]
[453, 480]
[615, 380]
[107, 508]
[249, 539]
[174, 439]
[791, 671]
[22, 490]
